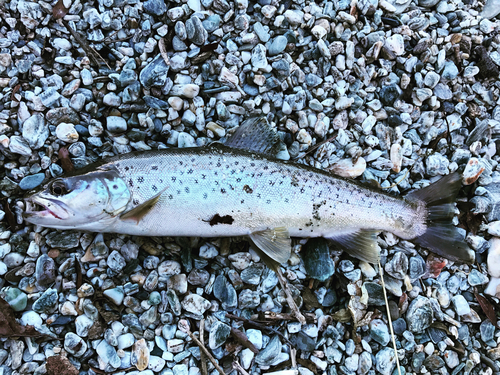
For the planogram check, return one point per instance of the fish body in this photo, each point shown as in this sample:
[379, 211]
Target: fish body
[241, 189]
[220, 191]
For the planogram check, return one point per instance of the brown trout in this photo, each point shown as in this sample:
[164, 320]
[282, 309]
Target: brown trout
[222, 190]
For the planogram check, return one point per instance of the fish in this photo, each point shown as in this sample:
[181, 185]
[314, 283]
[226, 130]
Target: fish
[239, 188]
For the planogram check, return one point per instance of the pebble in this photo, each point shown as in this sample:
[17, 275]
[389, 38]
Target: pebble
[419, 315]
[219, 332]
[116, 124]
[32, 181]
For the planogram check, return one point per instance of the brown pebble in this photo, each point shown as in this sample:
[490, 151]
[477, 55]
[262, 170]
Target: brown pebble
[54, 253]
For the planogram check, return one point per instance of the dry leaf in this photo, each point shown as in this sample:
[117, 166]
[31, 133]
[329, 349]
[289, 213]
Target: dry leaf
[9, 327]
[487, 308]
[60, 365]
[59, 10]
[66, 163]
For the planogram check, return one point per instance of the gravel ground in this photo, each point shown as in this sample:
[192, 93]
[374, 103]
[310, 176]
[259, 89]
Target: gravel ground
[402, 91]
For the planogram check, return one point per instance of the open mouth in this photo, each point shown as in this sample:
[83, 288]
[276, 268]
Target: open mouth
[38, 209]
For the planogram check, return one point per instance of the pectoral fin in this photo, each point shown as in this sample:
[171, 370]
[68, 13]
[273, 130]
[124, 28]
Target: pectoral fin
[137, 213]
[274, 244]
[361, 244]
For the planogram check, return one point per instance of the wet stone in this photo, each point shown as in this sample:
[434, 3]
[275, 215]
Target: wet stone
[155, 73]
[195, 31]
[277, 45]
[389, 94]
[219, 332]
[397, 266]
[487, 331]
[45, 271]
[419, 315]
[305, 342]
[35, 131]
[317, 260]
[46, 302]
[195, 304]
[249, 299]
[15, 298]
[267, 355]
[375, 293]
[155, 7]
[379, 332]
[386, 361]
[252, 274]
[434, 362]
[74, 344]
[63, 240]
[477, 278]
[416, 267]
[32, 181]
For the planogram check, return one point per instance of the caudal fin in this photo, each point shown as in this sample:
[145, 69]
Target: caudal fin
[441, 236]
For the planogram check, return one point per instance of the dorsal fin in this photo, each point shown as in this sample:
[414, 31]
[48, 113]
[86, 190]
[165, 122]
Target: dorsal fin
[255, 134]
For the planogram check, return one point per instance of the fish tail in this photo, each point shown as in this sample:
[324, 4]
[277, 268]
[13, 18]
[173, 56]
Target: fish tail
[441, 236]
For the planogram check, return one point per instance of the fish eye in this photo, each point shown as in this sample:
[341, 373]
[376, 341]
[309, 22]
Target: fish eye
[58, 188]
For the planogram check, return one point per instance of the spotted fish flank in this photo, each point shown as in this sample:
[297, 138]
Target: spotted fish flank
[224, 191]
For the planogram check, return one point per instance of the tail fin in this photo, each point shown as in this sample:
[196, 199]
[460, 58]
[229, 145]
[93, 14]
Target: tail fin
[441, 236]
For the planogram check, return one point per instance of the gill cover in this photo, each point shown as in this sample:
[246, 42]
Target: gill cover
[86, 201]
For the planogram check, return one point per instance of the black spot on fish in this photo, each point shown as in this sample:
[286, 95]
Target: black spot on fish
[186, 189]
[154, 167]
[203, 176]
[218, 165]
[154, 188]
[238, 179]
[252, 164]
[205, 195]
[286, 200]
[217, 219]
[268, 201]
[130, 183]
[242, 201]
[127, 168]
[170, 196]
[140, 179]
[136, 202]
[195, 181]
[236, 162]
[247, 189]
[174, 178]
[190, 171]
[223, 191]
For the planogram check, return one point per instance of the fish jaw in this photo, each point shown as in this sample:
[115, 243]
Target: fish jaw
[41, 210]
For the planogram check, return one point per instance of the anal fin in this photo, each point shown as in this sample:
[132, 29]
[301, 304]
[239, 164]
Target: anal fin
[361, 244]
[137, 213]
[275, 245]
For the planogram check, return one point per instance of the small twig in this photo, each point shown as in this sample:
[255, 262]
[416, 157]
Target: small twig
[260, 326]
[389, 317]
[91, 52]
[293, 357]
[238, 367]
[206, 352]
[316, 146]
[163, 51]
[291, 302]
[204, 370]
[397, 183]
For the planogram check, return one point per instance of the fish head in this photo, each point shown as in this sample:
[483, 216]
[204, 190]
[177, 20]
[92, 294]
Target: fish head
[83, 202]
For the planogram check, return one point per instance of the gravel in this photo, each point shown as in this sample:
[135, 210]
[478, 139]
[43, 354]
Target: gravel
[403, 92]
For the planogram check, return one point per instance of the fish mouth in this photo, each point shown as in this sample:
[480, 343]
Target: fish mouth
[43, 208]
